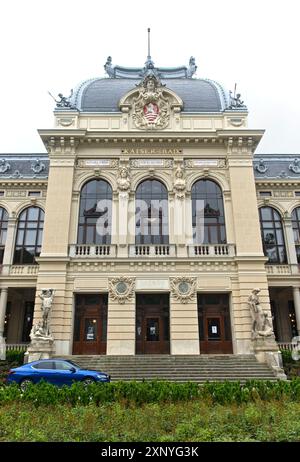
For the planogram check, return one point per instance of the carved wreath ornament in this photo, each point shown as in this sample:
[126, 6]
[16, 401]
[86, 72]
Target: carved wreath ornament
[121, 289]
[183, 288]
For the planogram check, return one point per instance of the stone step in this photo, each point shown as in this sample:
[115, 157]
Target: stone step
[196, 368]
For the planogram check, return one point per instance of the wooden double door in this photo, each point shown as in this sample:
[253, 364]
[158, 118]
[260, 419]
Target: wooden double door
[90, 327]
[152, 324]
[214, 323]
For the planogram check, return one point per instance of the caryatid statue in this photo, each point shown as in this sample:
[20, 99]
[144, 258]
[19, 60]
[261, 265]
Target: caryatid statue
[179, 182]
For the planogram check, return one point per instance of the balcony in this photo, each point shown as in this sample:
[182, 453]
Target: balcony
[200, 251]
[152, 250]
[92, 251]
[282, 270]
[24, 270]
[211, 250]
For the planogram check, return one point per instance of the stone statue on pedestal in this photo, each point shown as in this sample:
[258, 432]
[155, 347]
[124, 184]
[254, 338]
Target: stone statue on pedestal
[41, 346]
[262, 325]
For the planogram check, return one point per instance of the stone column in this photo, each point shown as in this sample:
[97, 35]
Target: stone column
[114, 218]
[296, 295]
[123, 224]
[3, 303]
[289, 241]
[188, 224]
[179, 226]
[9, 245]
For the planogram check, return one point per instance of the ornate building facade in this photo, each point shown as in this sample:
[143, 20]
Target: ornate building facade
[152, 220]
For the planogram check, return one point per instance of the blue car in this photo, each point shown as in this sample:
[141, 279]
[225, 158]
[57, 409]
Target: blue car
[56, 371]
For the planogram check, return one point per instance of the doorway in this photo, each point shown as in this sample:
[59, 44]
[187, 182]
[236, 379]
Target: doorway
[214, 323]
[90, 327]
[152, 324]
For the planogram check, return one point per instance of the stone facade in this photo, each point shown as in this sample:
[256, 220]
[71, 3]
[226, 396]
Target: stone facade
[177, 151]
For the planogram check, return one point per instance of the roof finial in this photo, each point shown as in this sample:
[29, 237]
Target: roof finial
[149, 64]
[149, 56]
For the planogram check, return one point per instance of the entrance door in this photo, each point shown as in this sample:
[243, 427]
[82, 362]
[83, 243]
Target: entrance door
[214, 323]
[152, 324]
[90, 327]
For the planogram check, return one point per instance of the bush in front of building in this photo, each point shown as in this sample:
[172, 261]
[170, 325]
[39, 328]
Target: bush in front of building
[140, 393]
[14, 358]
[291, 367]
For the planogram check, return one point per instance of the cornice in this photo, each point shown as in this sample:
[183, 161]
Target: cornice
[60, 136]
[12, 183]
[287, 183]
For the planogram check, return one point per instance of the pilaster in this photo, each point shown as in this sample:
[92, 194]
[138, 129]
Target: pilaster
[3, 303]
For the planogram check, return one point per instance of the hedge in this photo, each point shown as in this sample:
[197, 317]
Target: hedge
[139, 393]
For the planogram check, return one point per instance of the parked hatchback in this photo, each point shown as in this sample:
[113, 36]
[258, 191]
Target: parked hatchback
[56, 371]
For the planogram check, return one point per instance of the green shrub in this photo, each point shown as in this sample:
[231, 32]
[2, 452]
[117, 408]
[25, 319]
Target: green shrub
[15, 356]
[151, 392]
[286, 357]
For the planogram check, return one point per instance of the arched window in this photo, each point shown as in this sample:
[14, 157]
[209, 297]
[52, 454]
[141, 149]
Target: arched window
[296, 230]
[151, 213]
[3, 231]
[272, 235]
[208, 217]
[29, 235]
[95, 213]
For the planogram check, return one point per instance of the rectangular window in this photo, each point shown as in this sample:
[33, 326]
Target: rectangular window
[297, 193]
[1, 193]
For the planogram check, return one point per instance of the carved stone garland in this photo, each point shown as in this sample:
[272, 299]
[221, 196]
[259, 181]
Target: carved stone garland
[183, 288]
[121, 288]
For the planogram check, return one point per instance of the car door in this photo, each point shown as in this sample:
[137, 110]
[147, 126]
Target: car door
[45, 371]
[64, 373]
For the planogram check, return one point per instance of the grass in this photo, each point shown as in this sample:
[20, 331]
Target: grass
[157, 422]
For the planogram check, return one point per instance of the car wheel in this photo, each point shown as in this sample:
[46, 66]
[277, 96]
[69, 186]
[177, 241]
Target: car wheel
[25, 383]
[88, 381]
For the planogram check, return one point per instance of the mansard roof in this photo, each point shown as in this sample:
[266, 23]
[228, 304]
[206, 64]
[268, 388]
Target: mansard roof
[104, 94]
[276, 166]
[27, 166]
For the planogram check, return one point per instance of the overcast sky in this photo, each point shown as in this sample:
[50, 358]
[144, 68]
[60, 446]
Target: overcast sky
[52, 45]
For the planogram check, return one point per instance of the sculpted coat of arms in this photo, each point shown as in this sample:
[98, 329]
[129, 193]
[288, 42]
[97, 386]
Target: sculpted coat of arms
[151, 109]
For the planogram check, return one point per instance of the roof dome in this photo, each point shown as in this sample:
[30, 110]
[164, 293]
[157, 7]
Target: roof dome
[104, 94]
[197, 95]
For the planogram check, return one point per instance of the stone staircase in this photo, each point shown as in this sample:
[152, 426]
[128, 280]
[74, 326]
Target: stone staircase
[177, 368]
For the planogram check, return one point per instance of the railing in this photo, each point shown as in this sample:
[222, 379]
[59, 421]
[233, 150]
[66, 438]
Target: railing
[152, 250]
[286, 345]
[24, 270]
[16, 346]
[282, 269]
[92, 251]
[211, 250]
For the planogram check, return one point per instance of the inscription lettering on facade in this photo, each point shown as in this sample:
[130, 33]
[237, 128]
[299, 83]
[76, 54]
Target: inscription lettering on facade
[152, 151]
[97, 163]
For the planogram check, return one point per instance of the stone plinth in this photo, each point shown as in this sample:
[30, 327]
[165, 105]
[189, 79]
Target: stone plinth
[2, 349]
[266, 351]
[40, 349]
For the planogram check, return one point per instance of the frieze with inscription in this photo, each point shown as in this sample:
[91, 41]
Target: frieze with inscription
[141, 163]
[191, 163]
[98, 163]
[149, 151]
